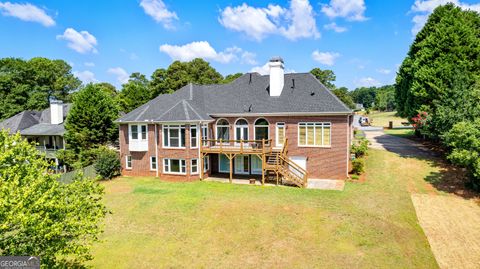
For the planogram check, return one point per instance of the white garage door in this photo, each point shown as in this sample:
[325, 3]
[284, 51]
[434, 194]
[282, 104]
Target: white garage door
[300, 161]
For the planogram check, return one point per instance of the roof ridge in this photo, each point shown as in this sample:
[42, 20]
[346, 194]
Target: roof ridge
[185, 110]
[168, 110]
[143, 112]
[193, 110]
[330, 92]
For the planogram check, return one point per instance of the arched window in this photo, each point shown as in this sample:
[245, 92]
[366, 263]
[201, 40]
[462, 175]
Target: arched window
[261, 129]
[223, 131]
[241, 129]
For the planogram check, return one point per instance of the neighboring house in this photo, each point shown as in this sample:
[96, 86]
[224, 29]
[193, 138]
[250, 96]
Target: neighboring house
[43, 127]
[241, 128]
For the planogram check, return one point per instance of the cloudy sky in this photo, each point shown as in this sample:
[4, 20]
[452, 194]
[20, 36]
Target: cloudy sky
[363, 41]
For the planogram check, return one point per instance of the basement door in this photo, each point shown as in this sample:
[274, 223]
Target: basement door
[241, 164]
[300, 161]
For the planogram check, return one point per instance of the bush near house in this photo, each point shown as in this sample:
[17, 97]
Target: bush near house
[359, 149]
[108, 164]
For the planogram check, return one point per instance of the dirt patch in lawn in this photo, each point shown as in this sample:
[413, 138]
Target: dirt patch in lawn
[452, 226]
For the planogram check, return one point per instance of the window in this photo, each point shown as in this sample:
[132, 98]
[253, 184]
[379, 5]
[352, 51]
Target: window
[193, 136]
[194, 166]
[241, 130]
[174, 136]
[205, 134]
[206, 163]
[153, 163]
[280, 133]
[174, 166]
[128, 162]
[134, 129]
[223, 130]
[314, 134]
[261, 129]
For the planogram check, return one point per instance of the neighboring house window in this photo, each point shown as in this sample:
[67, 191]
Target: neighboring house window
[205, 134]
[138, 132]
[194, 166]
[153, 163]
[174, 166]
[193, 136]
[174, 136]
[223, 128]
[206, 163]
[241, 130]
[314, 134]
[128, 162]
[261, 129]
[280, 133]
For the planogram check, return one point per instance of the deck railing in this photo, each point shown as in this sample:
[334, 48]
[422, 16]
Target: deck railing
[241, 146]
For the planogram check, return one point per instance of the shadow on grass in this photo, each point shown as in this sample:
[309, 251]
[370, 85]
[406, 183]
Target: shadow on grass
[448, 178]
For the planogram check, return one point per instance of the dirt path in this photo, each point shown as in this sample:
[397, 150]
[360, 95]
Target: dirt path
[450, 222]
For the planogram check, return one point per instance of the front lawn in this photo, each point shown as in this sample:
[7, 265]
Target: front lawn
[157, 224]
[381, 119]
[405, 133]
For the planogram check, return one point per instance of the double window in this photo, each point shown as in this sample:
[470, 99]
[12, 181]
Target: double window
[174, 136]
[138, 132]
[314, 134]
[261, 129]
[223, 130]
[174, 166]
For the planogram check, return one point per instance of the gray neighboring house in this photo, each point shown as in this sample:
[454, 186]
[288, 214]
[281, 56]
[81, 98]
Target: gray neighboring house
[46, 127]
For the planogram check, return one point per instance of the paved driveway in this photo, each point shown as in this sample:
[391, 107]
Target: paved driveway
[450, 222]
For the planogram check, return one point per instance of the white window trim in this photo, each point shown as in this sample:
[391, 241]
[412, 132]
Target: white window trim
[206, 162]
[314, 135]
[139, 132]
[216, 129]
[191, 167]
[180, 127]
[277, 142]
[126, 162]
[151, 163]
[204, 126]
[196, 128]
[170, 165]
[243, 126]
[255, 128]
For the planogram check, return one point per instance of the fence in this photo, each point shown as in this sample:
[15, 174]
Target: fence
[88, 171]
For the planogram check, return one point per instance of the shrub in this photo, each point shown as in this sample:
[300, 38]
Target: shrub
[108, 164]
[358, 166]
[360, 147]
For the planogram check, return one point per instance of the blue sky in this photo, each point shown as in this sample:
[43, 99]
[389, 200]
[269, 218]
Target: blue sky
[362, 41]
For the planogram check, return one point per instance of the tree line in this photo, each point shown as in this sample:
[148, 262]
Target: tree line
[438, 84]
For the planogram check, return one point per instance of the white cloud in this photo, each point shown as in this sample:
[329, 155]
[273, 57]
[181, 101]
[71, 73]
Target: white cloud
[85, 76]
[423, 8]
[159, 12]
[265, 69]
[326, 58]
[367, 82]
[334, 27]
[120, 73]
[384, 71]
[82, 42]
[249, 58]
[352, 10]
[26, 12]
[202, 49]
[89, 64]
[296, 22]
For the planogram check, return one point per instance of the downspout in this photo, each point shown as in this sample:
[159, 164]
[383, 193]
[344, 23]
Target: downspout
[156, 148]
[199, 141]
[348, 142]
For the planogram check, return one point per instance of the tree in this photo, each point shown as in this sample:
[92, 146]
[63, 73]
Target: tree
[29, 84]
[344, 96]
[326, 77]
[365, 96]
[231, 77]
[135, 92]
[40, 216]
[179, 74]
[385, 98]
[90, 122]
[449, 43]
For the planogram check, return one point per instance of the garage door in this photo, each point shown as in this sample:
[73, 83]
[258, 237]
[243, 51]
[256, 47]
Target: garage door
[300, 161]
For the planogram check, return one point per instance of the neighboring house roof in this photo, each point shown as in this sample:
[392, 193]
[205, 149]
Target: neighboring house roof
[35, 123]
[302, 94]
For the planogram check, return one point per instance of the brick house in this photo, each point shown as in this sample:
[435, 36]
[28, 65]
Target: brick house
[286, 127]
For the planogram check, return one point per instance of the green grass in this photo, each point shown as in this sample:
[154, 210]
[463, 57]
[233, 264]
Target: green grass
[381, 119]
[157, 224]
[405, 133]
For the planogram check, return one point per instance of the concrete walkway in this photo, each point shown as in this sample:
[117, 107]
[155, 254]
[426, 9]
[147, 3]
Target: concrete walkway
[402, 146]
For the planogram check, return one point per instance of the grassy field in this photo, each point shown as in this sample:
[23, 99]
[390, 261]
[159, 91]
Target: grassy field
[381, 119]
[156, 224]
[405, 133]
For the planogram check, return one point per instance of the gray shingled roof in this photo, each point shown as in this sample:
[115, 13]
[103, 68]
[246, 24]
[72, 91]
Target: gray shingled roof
[302, 93]
[35, 122]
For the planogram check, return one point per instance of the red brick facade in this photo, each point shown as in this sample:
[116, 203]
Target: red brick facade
[322, 162]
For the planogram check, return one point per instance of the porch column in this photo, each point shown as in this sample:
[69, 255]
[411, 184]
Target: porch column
[231, 167]
[201, 166]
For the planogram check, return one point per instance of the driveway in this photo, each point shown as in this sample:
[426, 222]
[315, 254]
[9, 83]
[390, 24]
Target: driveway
[450, 222]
